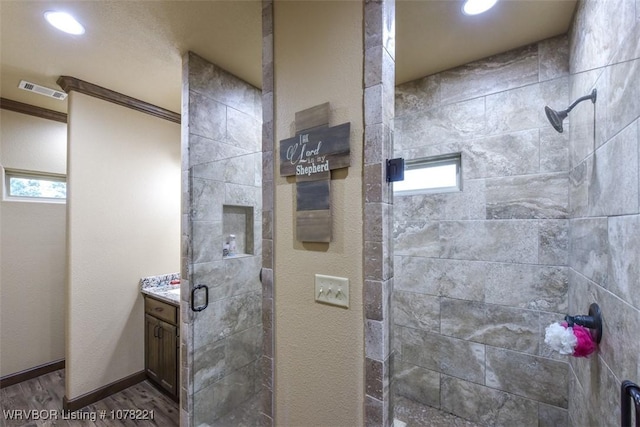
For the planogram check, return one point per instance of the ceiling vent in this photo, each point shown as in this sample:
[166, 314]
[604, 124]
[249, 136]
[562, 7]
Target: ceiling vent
[51, 93]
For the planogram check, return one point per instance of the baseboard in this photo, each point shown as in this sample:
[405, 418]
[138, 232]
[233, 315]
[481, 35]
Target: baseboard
[102, 392]
[31, 373]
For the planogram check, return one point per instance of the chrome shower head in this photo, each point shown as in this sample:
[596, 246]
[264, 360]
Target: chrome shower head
[556, 117]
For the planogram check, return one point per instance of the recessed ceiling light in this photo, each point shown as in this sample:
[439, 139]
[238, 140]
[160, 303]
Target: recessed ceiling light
[64, 22]
[475, 7]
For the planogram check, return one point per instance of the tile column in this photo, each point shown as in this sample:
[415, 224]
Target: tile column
[379, 79]
[267, 409]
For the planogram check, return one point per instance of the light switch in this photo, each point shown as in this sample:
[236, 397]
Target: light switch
[332, 290]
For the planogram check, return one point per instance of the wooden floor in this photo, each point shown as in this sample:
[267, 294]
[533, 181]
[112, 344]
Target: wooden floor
[44, 394]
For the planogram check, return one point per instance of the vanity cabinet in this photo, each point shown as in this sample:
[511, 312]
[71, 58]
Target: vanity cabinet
[162, 344]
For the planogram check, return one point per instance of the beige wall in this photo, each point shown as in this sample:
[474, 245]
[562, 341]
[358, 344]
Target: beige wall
[319, 349]
[32, 244]
[123, 223]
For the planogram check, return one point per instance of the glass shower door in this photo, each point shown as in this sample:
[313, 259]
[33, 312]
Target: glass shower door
[222, 164]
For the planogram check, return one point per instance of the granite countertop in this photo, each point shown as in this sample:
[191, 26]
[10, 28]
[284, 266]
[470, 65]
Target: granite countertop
[160, 287]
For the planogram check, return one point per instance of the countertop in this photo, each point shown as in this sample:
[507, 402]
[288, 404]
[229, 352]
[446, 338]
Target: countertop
[163, 293]
[160, 288]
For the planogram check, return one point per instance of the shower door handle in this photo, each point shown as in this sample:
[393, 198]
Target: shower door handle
[193, 297]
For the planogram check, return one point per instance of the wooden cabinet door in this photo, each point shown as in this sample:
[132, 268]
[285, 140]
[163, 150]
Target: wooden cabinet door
[169, 357]
[153, 354]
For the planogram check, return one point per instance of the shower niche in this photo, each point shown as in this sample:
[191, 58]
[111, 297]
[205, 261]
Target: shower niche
[237, 228]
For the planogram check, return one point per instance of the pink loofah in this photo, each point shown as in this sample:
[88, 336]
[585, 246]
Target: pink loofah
[585, 345]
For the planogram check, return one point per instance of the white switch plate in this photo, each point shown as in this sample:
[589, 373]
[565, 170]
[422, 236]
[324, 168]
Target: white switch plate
[332, 290]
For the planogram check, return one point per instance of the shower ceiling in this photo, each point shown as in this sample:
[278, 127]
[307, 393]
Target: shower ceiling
[135, 47]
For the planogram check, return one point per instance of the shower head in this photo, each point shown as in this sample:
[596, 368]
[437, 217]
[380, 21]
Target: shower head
[556, 117]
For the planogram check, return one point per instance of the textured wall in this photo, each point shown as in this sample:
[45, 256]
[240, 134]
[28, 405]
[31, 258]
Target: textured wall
[604, 180]
[319, 350]
[123, 223]
[33, 248]
[222, 173]
[480, 273]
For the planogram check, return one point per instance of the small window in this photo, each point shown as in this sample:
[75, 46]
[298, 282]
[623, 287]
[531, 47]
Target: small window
[439, 174]
[34, 186]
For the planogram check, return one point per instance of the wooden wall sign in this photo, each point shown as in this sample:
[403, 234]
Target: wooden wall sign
[310, 156]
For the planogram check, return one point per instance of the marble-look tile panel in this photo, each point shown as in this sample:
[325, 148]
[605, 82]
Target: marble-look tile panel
[442, 277]
[592, 41]
[244, 195]
[376, 218]
[374, 413]
[553, 241]
[554, 150]
[205, 150]
[528, 376]
[243, 130]
[487, 406]
[374, 381]
[207, 118]
[523, 108]
[418, 384]
[417, 96]
[589, 247]
[209, 365]
[553, 55]
[532, 287]
[451, 356]
[497, 240]
[241, 169]
[599, 392]
[222, 397]
[629, 48]
[416, 310]
[620, 347]
[217, 84]
[552, 416]
[499, 326]
[243, 348]
[376, 189]
[377, 299]
[624, 258]
[210, 274]
[454, 122]
[462, 205]
[377, 339]
[528, 197]
[205, 200]
[516, 68]
[226, 317]
[579, 188]
[515, 153]
[206, 239]
[623, 101]
[613, 189]
[417, 238]
[241, 275]
[379, 66]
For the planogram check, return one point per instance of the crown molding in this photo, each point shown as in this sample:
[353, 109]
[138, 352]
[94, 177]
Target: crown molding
[69, 84]
[32, 110]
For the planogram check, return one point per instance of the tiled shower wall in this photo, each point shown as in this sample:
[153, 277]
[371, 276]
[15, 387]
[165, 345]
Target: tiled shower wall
[604, 229]
[222, 165]
[480, 273]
